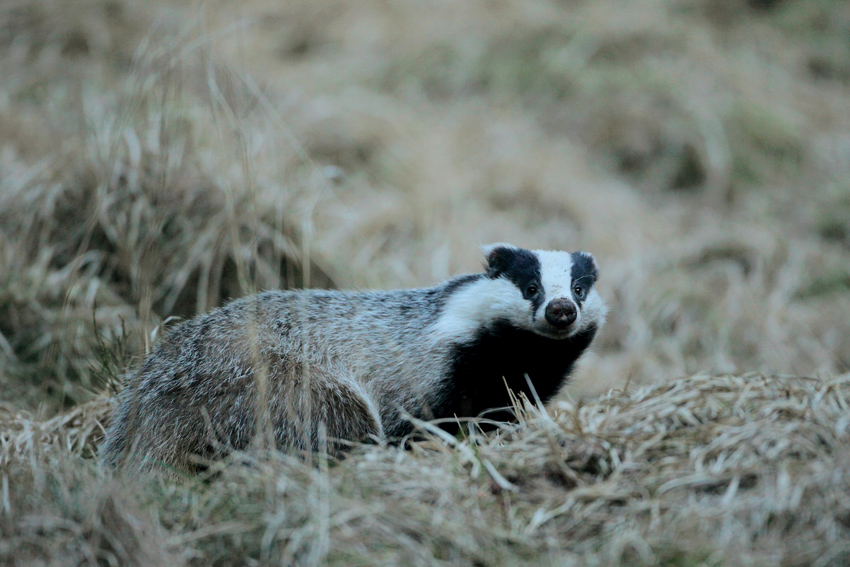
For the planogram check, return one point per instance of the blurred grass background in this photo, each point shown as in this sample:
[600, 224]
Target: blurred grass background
[158, 158]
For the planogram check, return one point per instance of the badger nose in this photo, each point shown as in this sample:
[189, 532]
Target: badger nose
[561, 313]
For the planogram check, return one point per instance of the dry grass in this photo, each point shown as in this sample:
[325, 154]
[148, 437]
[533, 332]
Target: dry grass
[158, 158]
[708, 470]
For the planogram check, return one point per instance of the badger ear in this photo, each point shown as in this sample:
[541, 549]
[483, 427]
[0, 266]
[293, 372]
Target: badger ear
[498, 257]
[487, 249]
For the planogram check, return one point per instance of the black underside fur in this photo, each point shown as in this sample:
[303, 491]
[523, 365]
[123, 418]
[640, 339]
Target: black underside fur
[500, 358]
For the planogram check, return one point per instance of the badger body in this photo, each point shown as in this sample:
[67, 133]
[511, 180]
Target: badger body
[340, 366]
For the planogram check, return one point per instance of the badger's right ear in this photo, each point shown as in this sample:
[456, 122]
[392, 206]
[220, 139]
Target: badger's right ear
[498, 257]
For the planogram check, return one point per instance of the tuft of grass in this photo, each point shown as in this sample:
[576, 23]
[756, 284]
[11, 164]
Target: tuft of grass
[112, 361]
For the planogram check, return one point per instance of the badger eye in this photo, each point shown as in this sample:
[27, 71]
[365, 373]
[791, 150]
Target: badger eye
[579, 291]
[531, 290]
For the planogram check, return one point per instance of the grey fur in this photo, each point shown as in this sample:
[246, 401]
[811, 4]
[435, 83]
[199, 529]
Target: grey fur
[349, 364]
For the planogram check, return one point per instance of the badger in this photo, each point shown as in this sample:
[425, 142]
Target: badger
[323, 369]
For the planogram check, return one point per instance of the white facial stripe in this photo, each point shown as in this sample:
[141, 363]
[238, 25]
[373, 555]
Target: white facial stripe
[478, 304]
[555, 273]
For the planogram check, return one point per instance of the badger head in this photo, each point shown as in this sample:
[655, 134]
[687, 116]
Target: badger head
[551, 293]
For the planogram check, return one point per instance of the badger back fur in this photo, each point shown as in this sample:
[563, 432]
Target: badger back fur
[349, 366]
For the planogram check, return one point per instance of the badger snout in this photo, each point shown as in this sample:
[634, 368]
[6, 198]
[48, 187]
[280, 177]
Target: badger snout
[561, 313]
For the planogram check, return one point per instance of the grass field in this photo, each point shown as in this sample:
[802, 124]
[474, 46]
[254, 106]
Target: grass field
[158, 158]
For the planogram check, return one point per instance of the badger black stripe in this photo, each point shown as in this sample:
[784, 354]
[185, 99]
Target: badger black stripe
[520, 267]
[583, 272]
[584, 266]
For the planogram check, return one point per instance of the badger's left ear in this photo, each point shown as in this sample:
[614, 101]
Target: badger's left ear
[498, 257]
